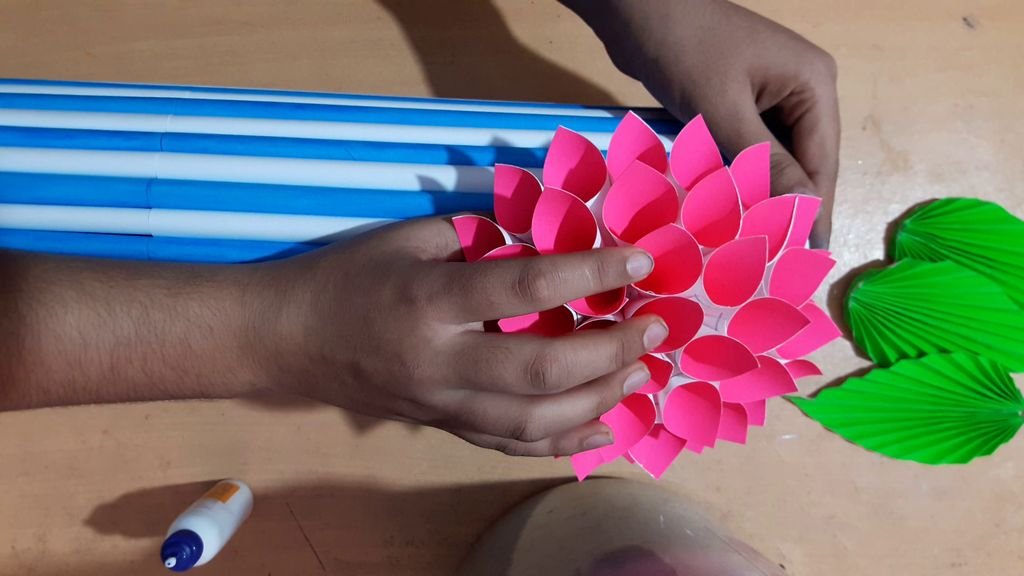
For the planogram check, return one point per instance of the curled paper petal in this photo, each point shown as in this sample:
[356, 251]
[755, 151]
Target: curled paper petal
[693, 412]
[661, 370]
[735, 272]
[803, 220]
[640, 201]
[766, 323]
[630, 420]
[682, 316]
[516, 192]
[733, 427]
[562, 223]
[769, 380]
[818, 333]
[798, 273]
[477, 236]
[694, 154]
[575, 165]
[551, 323]
[677, 261]
[802, 369]
[711, 211]
[715, 357]
[757, 412]
[772, 219]
[511, 251]
[603, 304]
[656, 451]
[596, 324]
[584, 463]
[633, 140]
[752, 171]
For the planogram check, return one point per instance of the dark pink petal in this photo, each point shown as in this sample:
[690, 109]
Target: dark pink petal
[771, 218]
[640, 201]
[711, 211]
[562, 223]
[575, 165]
[733, 427]
[756, 412]
[735, 272]
[818, 333]
[766, 323]
[661, 370]
[693, 412]
[516, 192]
[798, 273]
[477, 236]
[603, 304]
[551, 323]
[769, 380]
[656, 451]
[682, 316]
[677, 261]
[596, 324]
[694, 154]
[633, 140]
[630, 420]
[752, 171]
[802, 369]
[715, 357]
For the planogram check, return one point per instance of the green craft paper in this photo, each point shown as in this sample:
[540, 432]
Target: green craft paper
[939, 409]
[978, 235]
[914, 308]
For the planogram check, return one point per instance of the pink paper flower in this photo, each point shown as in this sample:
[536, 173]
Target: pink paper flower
[732, 279]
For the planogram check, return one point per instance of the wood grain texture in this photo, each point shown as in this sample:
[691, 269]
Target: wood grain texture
[931, 104]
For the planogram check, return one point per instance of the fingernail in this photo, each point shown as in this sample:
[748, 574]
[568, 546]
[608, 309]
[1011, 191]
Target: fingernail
[639, 265]
[636, 381]
[655, 335]
[599, 440]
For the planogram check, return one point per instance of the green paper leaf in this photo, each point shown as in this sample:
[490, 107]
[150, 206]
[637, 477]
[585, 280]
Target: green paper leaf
[914, 308]
[978, 235]
[940, 409]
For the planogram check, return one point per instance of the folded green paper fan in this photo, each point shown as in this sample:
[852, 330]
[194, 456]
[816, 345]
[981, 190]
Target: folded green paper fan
[939, 409]
[914, 308]
[976, 234]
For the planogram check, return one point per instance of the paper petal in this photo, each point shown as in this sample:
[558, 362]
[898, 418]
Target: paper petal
[477, 236]
[554, 322]
[603, 304]
[575, 165]
[661, 370]
[516, 192]
[711, 211]
[769, 380]
[694, 154]
[682, 316]
[818, 333]
[511, 251]
[656, 451]
[757, 412]
[640, 201]
[562, 223]
[634, 140]
[752, 171]
[733, 427]
[798, 273]
[693, 412]
[735, 272]
[677, 261]
[715, 357]
[766, 323]
[772, 218]
[584, 463]
[802, 369]
[630, 420]
[596, 324]
[803, 220]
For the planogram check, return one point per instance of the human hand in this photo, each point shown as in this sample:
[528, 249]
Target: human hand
[747, 75]
[391, 325]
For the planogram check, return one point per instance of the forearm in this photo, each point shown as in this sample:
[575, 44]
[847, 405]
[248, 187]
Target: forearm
[76, 331]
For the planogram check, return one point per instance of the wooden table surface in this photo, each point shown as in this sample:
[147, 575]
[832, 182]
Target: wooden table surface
[931, 94]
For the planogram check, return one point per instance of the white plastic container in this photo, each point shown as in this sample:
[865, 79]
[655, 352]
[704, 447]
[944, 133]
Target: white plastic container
[201, 531]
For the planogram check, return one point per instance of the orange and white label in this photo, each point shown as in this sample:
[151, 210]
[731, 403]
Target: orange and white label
[222, 492]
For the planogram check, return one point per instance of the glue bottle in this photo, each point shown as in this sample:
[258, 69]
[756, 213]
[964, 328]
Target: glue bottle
[202, 530]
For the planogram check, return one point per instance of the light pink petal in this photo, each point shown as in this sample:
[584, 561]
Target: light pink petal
[711, 211]
[818, 333]
[656, 451]
[803, 219]
[516, 192]
[562, 223]
[694, 154]
[640, 201]
[757, 412]
[693, 412]
[661, 370]
[752, 171]
[584, 463]
[798, 273]
[477, 236]
[596, 324]
[715, 357]
[766, 323]
[733, 427]
[634, 140]
[511, 251]
[771, 218]
[682, 316]
[575, 165]
[677, 261]
[603, 304]
[735, 272]
[769, 380]
[802, 369]
[551, 323]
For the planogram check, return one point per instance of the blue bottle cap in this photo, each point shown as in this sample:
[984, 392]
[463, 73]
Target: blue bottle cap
[181, 550]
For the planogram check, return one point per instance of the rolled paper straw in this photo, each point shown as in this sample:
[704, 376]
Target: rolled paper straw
[223, 251]
[75, 219]
[258, 226]
[84, 139]
[116, 246]
[110, 192]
